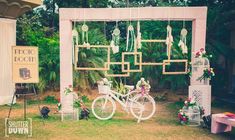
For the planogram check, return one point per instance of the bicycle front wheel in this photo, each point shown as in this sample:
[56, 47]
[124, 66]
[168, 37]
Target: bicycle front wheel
[103, 107]
[143, 107]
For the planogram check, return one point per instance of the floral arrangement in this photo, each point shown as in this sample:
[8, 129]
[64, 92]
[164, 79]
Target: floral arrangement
[68, 90]
[202, 53]
[202, 110]
[207, 74]
[189, 104]
[104, 81]
[183, 118]
[59, 105]
[80, 103]
[143, 85]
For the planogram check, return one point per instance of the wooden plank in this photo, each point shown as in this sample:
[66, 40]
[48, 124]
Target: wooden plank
[154, 40]
[124, 14]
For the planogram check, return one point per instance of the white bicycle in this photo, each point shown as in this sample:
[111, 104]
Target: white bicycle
[141, 106]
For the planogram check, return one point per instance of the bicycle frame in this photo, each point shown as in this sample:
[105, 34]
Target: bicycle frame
[130, 103]
[122, 103]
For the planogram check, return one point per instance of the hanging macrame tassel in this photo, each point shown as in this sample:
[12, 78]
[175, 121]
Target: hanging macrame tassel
[131, 35]
[115, 39]
[182, 42]
[85, 29]
[169, 40]
[138, 38]
[74, 36]
[127, 39]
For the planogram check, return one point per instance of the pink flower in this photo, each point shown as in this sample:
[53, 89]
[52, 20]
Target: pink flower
[184, 119]
[209, 71]
[70, 86]
[201, 49]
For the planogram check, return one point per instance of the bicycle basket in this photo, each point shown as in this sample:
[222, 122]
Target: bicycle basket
[103, 89]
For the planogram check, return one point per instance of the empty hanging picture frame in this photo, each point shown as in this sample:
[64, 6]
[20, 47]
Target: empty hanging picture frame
[167, 62]
[135, 61]
[126, 74]
[76, 67]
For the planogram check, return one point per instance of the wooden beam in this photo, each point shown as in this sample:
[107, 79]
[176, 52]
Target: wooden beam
[124, 14]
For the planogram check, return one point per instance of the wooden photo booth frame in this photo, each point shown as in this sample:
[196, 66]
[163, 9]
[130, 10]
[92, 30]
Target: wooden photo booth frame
[198, 16]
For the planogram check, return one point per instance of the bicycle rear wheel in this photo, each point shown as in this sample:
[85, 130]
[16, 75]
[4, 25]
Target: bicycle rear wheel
[143, 107]
[103, 107]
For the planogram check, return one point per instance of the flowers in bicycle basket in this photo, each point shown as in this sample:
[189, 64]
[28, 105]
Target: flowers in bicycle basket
[207, 74]
[143, 85]
[104, 81]
[68, 90]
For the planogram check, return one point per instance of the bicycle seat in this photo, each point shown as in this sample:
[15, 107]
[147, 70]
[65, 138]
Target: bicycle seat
[129, 87]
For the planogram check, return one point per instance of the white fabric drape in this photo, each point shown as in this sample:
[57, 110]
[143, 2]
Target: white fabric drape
[7, 40]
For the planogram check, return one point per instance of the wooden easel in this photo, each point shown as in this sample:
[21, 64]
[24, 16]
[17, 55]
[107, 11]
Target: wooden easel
[22, 91]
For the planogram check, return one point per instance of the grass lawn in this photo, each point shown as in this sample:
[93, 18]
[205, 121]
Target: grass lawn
[163, 125]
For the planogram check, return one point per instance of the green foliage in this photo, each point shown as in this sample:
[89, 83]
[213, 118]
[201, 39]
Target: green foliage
[78, 103]
[85, 99]
[120, 88]
[50, 99]
[92, 57]
[31, 102]
[32, 34]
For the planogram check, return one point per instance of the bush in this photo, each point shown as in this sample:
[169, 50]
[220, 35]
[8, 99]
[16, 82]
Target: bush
[50, 99]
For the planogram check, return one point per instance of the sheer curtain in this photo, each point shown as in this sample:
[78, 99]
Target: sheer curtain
[7, 40]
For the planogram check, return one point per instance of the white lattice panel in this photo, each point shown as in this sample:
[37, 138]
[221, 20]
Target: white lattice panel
[202, 94]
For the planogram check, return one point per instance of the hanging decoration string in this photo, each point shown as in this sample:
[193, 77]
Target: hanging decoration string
[183, 37]
[115, 39]
[130, 35]
[169, 38]
[138, 38]
[85, 29]
[74, 37]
